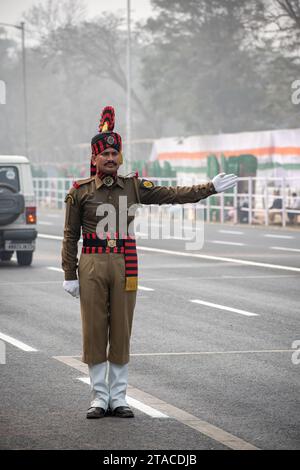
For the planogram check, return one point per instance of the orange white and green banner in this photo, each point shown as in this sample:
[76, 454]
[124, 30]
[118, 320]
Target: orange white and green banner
[277, 152]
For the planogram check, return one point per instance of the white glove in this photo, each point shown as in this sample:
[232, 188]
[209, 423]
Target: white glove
[222, 181]
[72, 287]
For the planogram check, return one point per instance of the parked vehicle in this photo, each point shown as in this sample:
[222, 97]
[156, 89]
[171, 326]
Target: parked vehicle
[17, 209]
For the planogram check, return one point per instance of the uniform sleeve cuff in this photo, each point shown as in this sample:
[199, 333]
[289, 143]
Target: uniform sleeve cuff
[212, 188]
[70, 276]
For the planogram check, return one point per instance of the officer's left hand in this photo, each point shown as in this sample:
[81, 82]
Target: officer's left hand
[222, 181]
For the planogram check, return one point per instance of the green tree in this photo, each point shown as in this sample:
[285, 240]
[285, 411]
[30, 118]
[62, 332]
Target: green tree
[203, 73]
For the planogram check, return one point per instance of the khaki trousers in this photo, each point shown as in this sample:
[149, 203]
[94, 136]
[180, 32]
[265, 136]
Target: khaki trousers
[106, 308]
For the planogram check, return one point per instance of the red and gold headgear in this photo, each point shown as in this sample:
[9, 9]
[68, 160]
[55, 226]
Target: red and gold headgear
[106, 137]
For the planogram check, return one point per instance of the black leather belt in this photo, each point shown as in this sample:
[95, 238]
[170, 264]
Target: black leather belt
[104, 243]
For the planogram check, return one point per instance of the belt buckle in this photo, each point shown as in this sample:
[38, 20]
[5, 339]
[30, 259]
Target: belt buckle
[111, 243]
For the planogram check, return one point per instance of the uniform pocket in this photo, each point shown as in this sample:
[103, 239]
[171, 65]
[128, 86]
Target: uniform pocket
[121, 266]
[86, 265]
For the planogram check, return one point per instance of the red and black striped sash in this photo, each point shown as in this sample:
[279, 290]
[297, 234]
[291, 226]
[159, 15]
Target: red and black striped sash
[92, 244]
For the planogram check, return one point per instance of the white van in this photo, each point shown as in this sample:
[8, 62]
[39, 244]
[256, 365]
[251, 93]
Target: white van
[17, 209]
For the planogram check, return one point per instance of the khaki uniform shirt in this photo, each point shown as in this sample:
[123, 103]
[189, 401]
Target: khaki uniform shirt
[82, 203]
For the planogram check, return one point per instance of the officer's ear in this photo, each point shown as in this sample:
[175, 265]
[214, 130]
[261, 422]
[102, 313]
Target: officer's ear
[120, 159]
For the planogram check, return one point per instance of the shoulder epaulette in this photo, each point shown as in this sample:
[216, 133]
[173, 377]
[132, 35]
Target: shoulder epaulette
[133, 174]
[79, 183]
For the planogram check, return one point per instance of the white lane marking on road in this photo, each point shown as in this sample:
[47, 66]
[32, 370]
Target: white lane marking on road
[33, 283]
[17, 343]
[224, 307]
[169, 237]
[148, 410]
[145, 408]
[53, 268]
[257, 276]
[197, 255]
[218, 258]
[43, 222]
[50, 237]
[172, 237]
[271, 235]
[284, 249]
[203, 427]
[204, 353]
[221, 242]
[233, 232]
[145, 288]
[162, 279]
[225, 276]
[53, 237]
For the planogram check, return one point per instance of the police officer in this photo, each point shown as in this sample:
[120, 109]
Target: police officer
[105, 278]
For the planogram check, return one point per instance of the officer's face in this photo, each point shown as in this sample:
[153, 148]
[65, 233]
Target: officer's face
[107, 161]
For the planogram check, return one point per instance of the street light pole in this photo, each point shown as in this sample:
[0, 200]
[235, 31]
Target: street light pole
[128, 94]
[22, 28]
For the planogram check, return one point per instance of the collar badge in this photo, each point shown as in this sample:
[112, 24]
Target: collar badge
[108, 180]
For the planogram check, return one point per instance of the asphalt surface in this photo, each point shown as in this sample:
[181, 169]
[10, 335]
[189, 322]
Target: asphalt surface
[225, 367]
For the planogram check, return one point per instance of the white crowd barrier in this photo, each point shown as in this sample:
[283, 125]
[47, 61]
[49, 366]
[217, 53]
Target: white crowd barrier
[255, 200]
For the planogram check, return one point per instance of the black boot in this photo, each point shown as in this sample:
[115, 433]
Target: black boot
[95, 412]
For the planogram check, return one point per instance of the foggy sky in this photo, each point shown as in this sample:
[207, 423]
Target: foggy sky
[11, 10]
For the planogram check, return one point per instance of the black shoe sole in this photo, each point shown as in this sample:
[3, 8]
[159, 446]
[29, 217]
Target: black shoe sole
[116, 415]
[95, 417]
[123, 416]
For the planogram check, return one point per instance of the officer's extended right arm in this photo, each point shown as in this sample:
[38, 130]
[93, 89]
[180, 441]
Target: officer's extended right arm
[148, 193]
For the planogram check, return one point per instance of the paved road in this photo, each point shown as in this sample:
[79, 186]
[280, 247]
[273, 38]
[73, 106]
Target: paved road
[211, 347]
